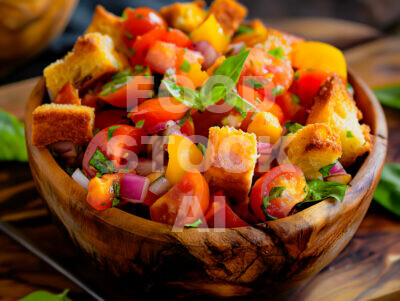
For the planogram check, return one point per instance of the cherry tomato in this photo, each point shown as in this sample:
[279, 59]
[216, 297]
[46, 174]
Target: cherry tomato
[161, 57]
[184, 203]
[123, 148]
[276, 71]
[101, 191]
[135, 88]
[150, 199]
[307, 83]
[293, 111]
[139, 21]
[221, 215]
[68, 95]
[156, 111]
[143, 43]
[284, 185]
[107, 118]
[187, 127]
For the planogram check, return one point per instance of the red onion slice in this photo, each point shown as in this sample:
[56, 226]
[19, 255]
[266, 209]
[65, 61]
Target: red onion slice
[65, 149]
[133, 188]
[264, 148]
[208, 52]
[160, 186]
[337, 169]
[80, 178]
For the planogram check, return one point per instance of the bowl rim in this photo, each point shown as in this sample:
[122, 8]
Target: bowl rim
[118, 218]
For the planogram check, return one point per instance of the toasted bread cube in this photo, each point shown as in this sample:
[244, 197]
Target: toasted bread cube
[184, 16]
[109, 24]
[230, 160]
[334, 106]
[58, 122]
[92, 57]
[313, 147]
[229, 14]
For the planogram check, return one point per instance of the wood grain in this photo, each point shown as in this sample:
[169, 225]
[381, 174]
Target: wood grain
[239, 261]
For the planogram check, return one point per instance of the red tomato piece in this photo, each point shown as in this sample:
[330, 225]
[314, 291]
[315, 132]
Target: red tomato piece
[161, 56]
[291, 178]
[134, 90]
[101, 191]
[173, 208]
[221, 215]
[187, 127]
[139, 21]
[123, 148]
[293, 111]
[307, 83]
[143, 43]
[158, 110]
[107, 118]
[68, 95]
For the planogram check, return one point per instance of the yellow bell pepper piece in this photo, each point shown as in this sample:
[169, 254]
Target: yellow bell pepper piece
[184, 16]
[216, 64]
[212, 32]
[319, 56]
[183, 157]
[265, 124]
[196, 76]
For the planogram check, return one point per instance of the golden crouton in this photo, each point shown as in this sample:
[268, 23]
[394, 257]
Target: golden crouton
[230, 160]
[92, 57]
[57, 122]
[334, 105]
[256, 36]
[109, 24]
[229, 14]
[313, 147]
[184, 16]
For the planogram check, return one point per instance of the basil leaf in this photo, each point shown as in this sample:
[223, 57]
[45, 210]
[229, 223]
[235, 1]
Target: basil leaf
[196, 224]
[232, 66]
[188, 97]
[115, 202]
[292, 127]
[116, 188]
[240, 104]
[140, 123]
[349, 134]
[389, 96]
[244, 29]
[326, 170]
[12, 138]
[102, 163]
[387, 193]
[46, 296]
[277, 52]
[295, 99]
[111, 131]
[320, 190]
[185, 67]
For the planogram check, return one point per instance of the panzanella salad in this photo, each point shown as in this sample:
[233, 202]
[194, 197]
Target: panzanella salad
[194, 117]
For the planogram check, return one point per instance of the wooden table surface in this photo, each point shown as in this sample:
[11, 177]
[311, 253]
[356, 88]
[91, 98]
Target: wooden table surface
[368, 268]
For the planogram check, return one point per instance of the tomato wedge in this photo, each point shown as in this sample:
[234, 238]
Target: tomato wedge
[184, 203]
[139, 21]
[307, 83]
[156, 111]
[290, 104]
[276, 192]
[221, 215]
[68, 95]
[108, 118]
[123, 148]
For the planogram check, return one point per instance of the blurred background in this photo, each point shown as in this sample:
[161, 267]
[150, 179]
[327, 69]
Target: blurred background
[362, 20]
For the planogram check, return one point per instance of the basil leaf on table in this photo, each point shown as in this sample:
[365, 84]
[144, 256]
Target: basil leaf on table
[12, 138]
[389, 96]
[46, 296]
[388, 191]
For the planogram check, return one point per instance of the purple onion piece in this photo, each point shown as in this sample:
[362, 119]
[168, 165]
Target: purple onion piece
[134, 188]
[208, 52]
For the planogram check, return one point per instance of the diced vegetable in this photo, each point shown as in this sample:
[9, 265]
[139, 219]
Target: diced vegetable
[133, 188]
[80, 178]
[103, 192]
[265, 126]
[211, 31]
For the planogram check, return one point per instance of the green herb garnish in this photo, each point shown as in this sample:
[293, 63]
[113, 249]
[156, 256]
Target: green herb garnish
[139, 124]
[102, 164]
[196, 224]
[185, 67]
[202, 148]
[276, 192]
[278, 90]
[389, 96]
[387, 193]
[254, 83]
[295, 99]
[320, 190]
[244, 29]
[277, 52]
[128, 35]
[292, 127]
[325, 171]
[297, 75]
[138, 68]
[12, 138]
[349, 134]
[350, 88]
[46, 296]
[111, 131]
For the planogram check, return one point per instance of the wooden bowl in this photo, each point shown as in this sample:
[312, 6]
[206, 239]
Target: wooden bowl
[27, 26]
[224, 262]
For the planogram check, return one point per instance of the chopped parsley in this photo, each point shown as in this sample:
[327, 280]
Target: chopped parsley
[138, 68]
[295, 99]
[297, 75]
[202, 148]
[277, 52]
[139, 124]
[254, 83]
[278, 90]
[244, 29]
[275, 192]
[185, 67]
[349, 134]
[101, 163]
[117, 81]
[111, 131]
[128, 35]
[292, 127]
